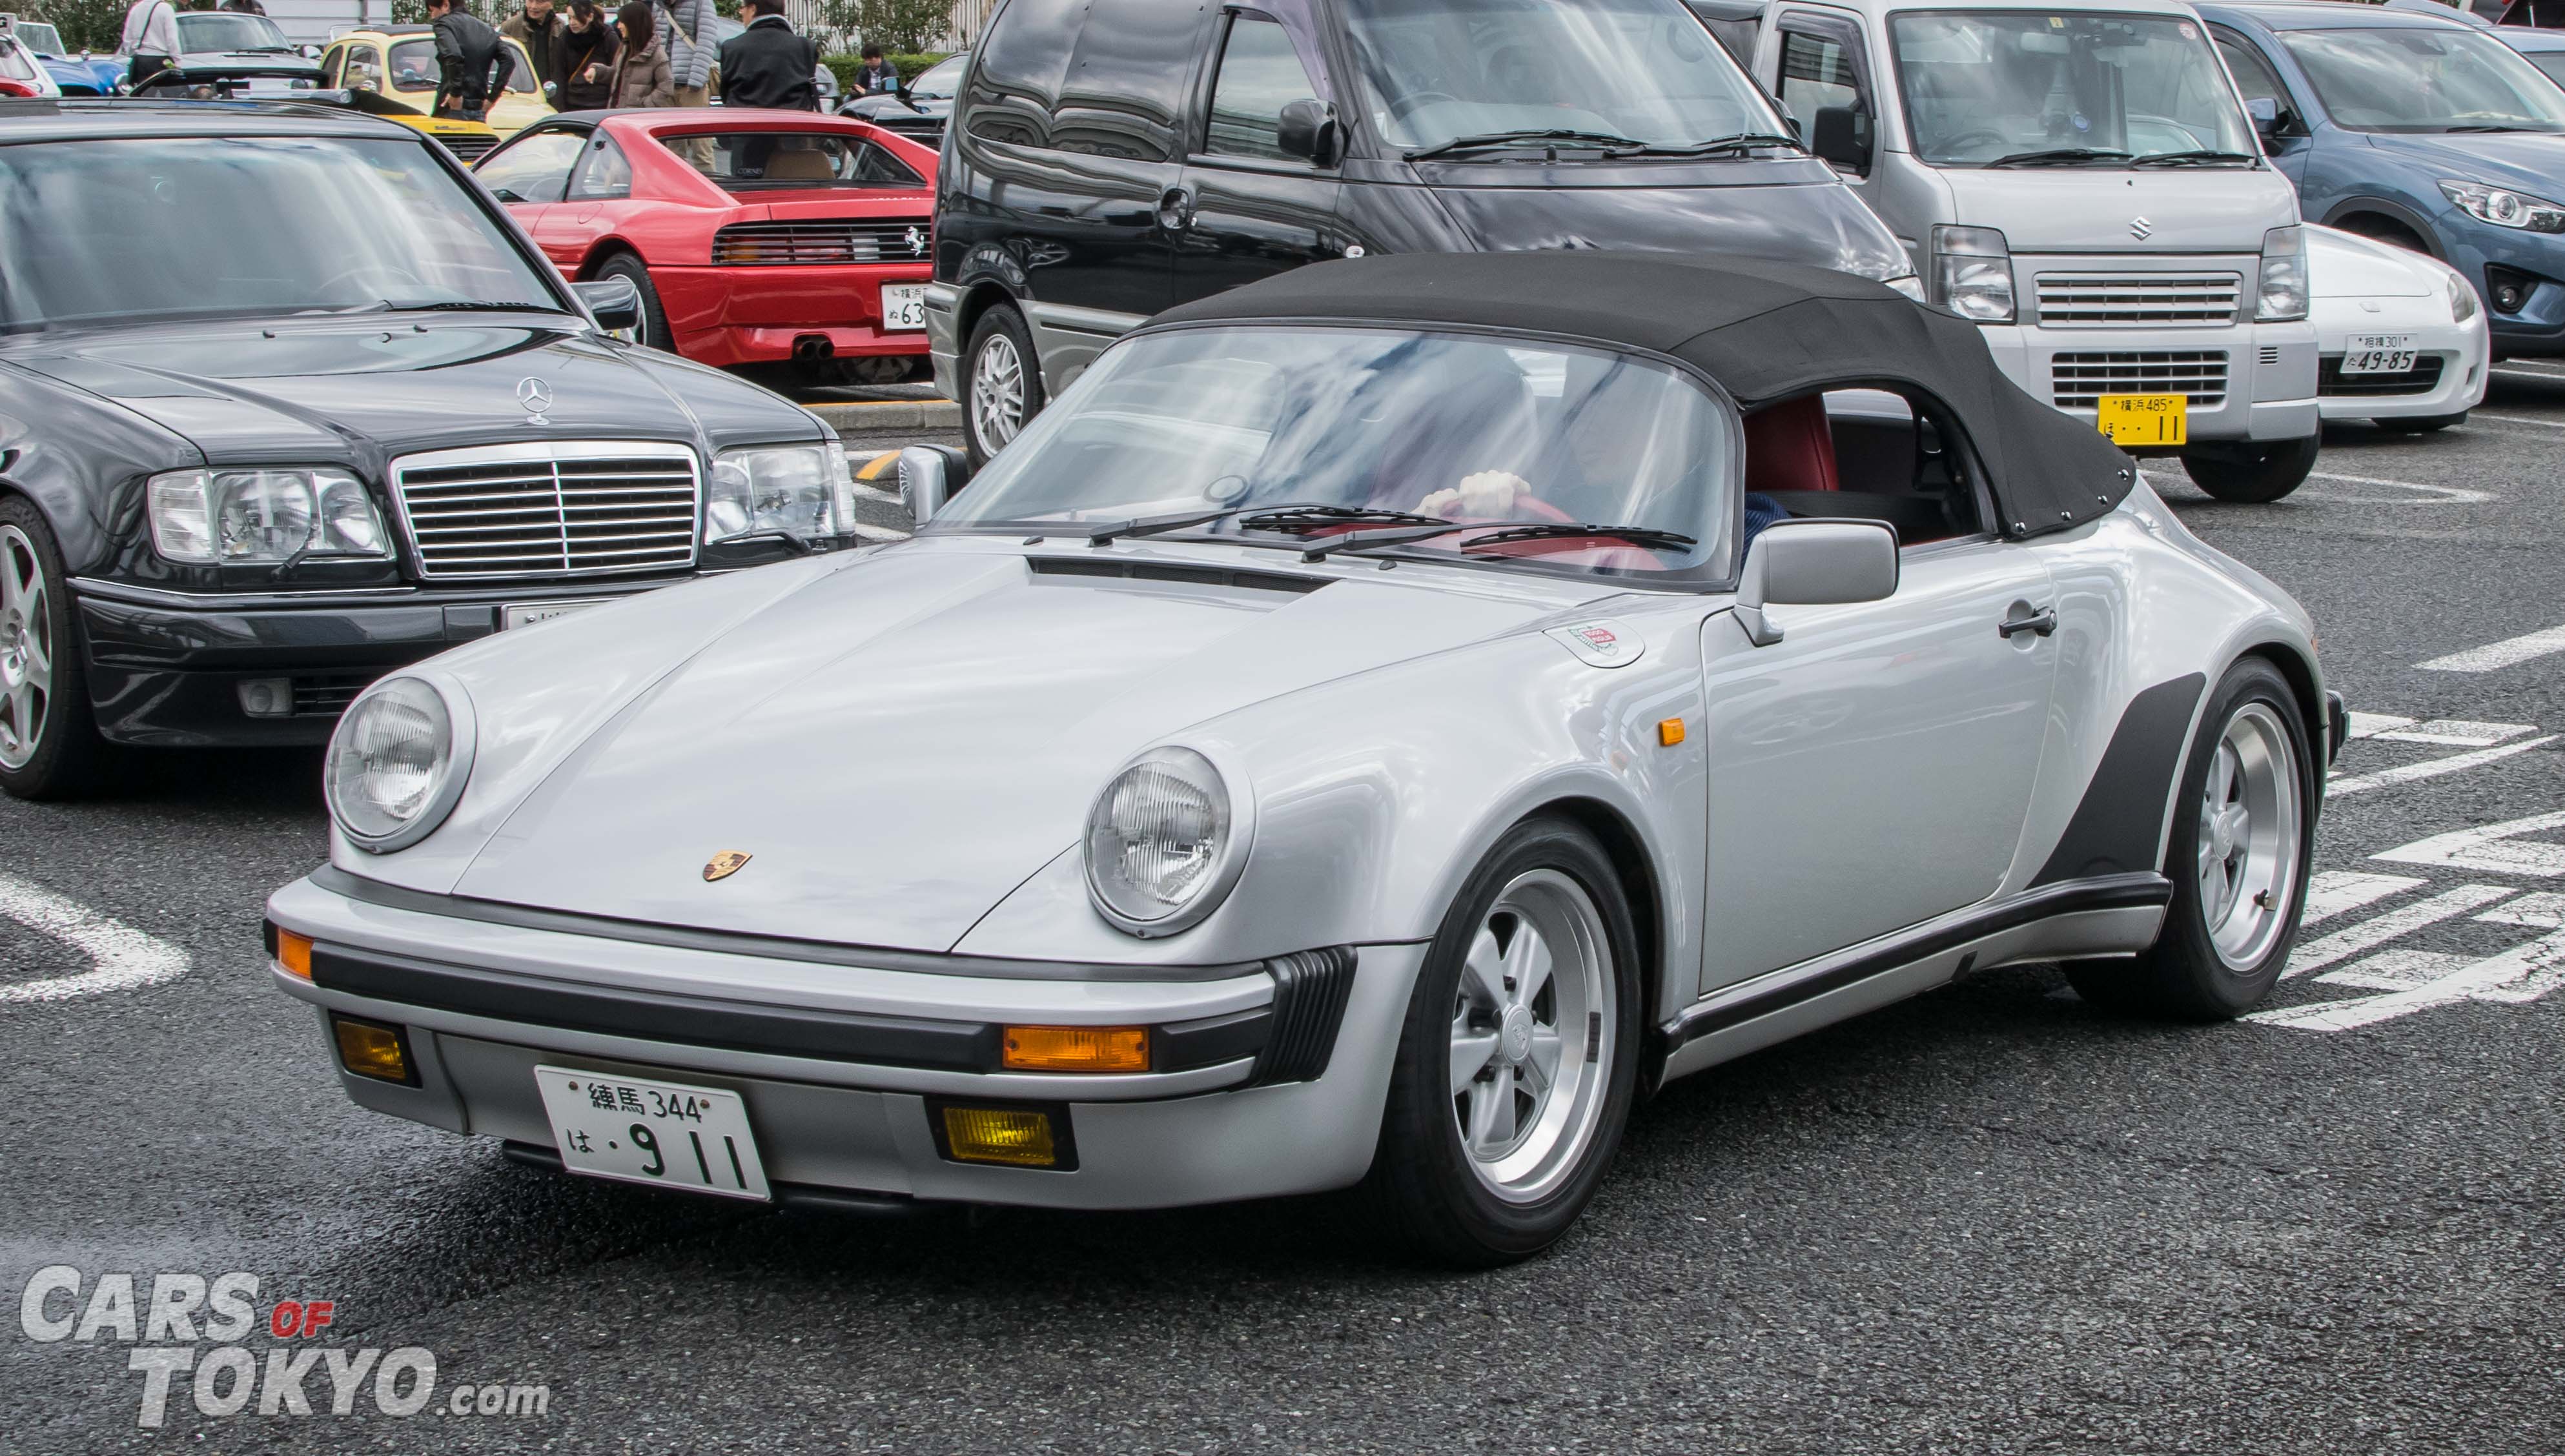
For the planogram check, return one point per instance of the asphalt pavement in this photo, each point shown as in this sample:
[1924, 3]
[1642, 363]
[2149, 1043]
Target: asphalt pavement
[1986, 1220]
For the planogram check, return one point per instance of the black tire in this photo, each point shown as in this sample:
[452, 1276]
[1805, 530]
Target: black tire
[2251, 471]
[64, 757]
[654, 320]
[2421, 424]
[1422, 1188]
[1001, 328]
[2186, 975]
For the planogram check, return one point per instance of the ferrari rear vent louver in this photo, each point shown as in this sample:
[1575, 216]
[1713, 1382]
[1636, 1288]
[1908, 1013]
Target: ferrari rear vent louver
[820, 242]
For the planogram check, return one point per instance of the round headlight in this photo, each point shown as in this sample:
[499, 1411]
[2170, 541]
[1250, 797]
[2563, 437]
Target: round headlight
[398, 762]
[1163, 843]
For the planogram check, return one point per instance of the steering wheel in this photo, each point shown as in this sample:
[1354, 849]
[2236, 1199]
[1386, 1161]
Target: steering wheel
[1399, 109]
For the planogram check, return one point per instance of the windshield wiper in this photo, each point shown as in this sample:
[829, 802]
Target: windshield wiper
[1717, 145]
[2192, 158]
[2058, 156]
[468, 306]
[1497, 533]
[2482, 127]
[1524, 138]
[1309, 513]
[1637, 535]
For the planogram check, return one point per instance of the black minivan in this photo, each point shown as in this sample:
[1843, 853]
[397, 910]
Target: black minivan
[1111, 159]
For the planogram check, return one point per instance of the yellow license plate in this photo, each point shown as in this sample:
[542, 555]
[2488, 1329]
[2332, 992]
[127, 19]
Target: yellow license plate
[2145, 419]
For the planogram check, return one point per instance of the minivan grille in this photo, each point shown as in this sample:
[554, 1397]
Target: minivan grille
[2067, 300]
[2077, 381]
[543, 510]
[823, 241]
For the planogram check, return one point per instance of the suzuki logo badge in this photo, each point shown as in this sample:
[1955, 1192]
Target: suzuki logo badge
[724, 865]
[2141, 229]
[537, 397]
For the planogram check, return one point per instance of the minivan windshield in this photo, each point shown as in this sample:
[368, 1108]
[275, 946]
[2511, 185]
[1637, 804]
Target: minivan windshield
[2435, 79]
[2076, 88]
[1437, 70]
[1381, 430]
[117, 230]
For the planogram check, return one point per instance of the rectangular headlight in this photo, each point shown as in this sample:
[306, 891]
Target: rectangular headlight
[263, 516]
[2283, 297]
[804, 492]
[1973, 274]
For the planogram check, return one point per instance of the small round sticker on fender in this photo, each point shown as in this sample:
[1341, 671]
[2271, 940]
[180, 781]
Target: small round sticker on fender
[1602, 643]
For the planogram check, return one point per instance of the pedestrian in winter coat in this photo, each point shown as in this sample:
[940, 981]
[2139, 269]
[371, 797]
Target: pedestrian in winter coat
[641, 76]
[584, 58]
[539, 29]
[767, 64]
[471, 62]
[687, 29]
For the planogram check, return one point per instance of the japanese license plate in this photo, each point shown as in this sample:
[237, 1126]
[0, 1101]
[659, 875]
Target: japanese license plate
[903, 306]
[527, 614]
[2145, 419]
[645, 1131]
[2378, 354]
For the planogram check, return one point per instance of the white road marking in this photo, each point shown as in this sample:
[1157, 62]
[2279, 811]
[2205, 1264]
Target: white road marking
[2544, 910]
[2430, 495]
[2490, 847]
[121, 958]
[2457, 731]
[2519, 420]
[2394, 971]
[2510, 652]
[2359, 783]
[2339, 892]
[2520, 974]
[2371, 724]
[2376, 931]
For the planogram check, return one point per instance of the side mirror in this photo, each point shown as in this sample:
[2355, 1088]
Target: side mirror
[929, 475]
[1841, 136]
[1813, 563]
[2265, 113]
[1308, 131]
[308, 52]
[614, 302]
[1791, 118]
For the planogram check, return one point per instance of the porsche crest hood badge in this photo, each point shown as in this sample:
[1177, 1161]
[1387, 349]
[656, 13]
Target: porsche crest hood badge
[724, 865]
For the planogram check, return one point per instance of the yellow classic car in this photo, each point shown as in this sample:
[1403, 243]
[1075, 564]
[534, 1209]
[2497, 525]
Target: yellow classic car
[398, 64]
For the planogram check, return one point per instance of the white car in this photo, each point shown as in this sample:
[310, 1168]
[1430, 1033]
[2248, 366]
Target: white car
[21, 73]
[2401, 336]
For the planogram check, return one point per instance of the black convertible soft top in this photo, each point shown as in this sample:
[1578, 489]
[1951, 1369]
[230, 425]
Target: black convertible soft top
[1767, 331]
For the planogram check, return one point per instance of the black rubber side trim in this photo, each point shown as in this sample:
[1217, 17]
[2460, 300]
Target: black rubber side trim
[1311, 988]
[735, 942]
[1130, 570]
[1185, 1045]
[2119, 824]
[893, 1041]
[2141, 891]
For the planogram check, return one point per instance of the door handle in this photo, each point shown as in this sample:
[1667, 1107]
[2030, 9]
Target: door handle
[1176, 209]
[2024, 619]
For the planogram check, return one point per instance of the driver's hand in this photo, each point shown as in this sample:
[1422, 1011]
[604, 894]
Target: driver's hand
[1487, 496]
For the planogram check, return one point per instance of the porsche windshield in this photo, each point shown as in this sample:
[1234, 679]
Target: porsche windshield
[1299, 435]
[1435, 72]
[121, 230]
[2082, 87]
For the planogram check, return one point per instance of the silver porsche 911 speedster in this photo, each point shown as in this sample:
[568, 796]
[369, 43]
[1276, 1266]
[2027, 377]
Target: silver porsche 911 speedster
[1370, 730]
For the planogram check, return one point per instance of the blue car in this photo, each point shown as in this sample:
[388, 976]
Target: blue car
[2418, 131]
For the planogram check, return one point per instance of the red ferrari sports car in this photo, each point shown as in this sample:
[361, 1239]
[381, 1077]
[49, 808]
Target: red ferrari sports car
[754, 236]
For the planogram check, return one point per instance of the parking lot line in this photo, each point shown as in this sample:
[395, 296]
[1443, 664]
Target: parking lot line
[2340, 892]
[121, 958]
[2488, 847]
[2510, 652]
[2379, 929]
[2519, 420]
[2359, 783]
[2519, 974]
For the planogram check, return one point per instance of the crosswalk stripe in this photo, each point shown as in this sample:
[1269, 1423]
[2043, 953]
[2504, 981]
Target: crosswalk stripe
[2359, 783]
[2522, 974]
[2510, 652]
[2379, 929]
[2339, 892]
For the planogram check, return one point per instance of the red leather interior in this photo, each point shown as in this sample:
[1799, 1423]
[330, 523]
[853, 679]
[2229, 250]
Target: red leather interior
[1790, 447]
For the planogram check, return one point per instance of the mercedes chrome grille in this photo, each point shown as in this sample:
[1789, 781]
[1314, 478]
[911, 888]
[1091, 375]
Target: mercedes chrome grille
[571, 508]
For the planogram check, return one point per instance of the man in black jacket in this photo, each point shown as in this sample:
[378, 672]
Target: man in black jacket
[471, 62]
[767, 64]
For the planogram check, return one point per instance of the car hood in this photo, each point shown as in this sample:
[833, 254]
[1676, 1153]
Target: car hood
[1787, 211]
[348, 392]
[2341, 265]
[902, 740]
[2092, 209]
[2534, 162]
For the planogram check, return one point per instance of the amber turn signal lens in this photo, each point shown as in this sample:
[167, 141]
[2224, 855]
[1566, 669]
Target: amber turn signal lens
[369, 1050]
[1076, 1049]
[293, 952]
[1670, 732]
[1013, 1135]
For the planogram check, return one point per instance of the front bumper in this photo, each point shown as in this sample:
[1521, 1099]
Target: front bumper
[1279, 1091]
[2269, 371]
[165, 667]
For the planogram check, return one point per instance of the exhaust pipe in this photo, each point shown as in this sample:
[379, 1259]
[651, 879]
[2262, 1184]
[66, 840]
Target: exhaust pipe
[813, 349]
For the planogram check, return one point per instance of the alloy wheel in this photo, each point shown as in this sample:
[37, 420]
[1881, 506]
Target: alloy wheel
[997, 392]
[26, 649]
[1532, 1027]
[2248, 836]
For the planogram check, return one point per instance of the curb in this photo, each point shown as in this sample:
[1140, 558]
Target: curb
[889, 414]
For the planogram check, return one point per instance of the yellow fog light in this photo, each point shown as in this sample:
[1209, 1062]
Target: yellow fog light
[1076, 1049]
[372, 1050]
[1016, 1136]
